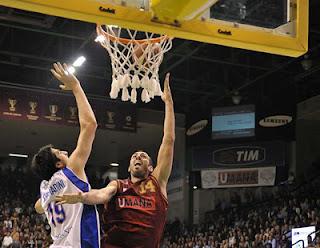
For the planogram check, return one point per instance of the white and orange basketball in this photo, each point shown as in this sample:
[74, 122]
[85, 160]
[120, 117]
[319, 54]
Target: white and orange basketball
[140, 54]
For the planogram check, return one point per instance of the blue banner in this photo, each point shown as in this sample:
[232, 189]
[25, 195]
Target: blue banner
[257, 154]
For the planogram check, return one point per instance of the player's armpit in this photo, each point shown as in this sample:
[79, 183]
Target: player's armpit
[38, 207]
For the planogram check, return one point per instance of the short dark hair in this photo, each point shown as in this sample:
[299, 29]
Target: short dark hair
[150, 159]
[151, 162]
[44, 163]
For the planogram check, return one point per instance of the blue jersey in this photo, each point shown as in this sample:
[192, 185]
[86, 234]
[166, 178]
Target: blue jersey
[72, 225]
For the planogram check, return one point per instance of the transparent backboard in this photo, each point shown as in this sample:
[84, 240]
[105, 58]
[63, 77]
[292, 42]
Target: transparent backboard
[272, 26]
[259, 13]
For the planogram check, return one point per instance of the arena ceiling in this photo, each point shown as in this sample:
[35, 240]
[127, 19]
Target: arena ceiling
[202, 75]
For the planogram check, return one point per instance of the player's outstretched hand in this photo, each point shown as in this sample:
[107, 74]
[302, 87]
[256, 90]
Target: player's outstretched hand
[68, 80]
[166, 96]
[68, 198]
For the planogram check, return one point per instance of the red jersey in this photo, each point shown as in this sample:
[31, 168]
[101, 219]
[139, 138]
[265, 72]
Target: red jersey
[135, 216]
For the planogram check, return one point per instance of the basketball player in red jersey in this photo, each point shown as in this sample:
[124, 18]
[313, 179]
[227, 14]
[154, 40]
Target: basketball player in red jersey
[135, 208]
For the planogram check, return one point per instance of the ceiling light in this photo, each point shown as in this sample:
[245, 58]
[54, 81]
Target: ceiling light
[99, 38]
[114, 164]
[306, 62]
[236, 97]
[79, 61]
[195, 187]
[18, 155]
[71, 69]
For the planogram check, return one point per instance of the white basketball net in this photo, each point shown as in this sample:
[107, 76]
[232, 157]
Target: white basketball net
[135, 63]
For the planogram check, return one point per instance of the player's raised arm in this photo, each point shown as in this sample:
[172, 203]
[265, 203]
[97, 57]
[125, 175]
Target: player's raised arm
[165, 154]
[87, 120]
[94, 196]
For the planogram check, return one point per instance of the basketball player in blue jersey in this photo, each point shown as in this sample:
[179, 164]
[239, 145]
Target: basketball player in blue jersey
[71, 225]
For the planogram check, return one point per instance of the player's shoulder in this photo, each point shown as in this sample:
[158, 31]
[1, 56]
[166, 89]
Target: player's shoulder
[57, 176]
[58, 173]
[123, 181]
[55, 185]
[152, 178]
[121, 184]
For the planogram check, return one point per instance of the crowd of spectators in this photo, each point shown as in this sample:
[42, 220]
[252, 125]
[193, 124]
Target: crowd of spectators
[261, 224]
[20, 226]
[257, 224]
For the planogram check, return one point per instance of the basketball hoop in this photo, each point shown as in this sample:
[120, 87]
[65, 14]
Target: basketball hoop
[135, 62]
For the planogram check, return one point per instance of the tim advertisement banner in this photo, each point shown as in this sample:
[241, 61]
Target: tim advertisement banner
[255, 154]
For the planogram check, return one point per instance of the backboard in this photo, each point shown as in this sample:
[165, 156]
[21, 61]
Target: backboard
[271, 26]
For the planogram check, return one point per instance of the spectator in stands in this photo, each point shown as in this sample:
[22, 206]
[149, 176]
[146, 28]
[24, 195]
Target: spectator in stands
[7, 240]
[16, 235]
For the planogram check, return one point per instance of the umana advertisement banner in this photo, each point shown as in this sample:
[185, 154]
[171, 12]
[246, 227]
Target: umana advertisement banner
[61, 109]
[233, 178]
[255, 154]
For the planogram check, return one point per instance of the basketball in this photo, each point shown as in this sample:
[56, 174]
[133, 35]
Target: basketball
[140, 54]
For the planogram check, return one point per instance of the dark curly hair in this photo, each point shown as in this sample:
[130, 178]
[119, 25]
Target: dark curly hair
[44, 163]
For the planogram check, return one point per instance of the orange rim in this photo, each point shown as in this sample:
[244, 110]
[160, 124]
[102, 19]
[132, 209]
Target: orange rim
[128, 41]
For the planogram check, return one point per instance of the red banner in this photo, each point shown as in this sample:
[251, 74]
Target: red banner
[62, 109]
